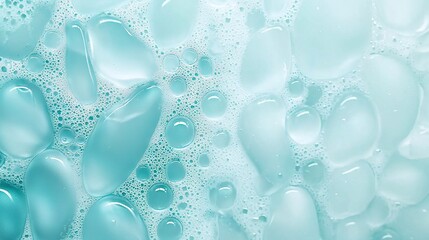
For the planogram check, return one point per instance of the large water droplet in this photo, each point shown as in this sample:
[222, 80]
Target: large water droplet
[120, 139]
[262, 134]
[303, 125]
[159, 196]
[351, 130]
[25, 123]
[13, 210]
[393, 87]
[170, 228]
[180, 132]
[114, 218]
[293, 216]
[266, 61]
[79, 71]
[223, 195]
[171, 21]
[117, 55]
[350, 190]
[330, 36]
[50, 194]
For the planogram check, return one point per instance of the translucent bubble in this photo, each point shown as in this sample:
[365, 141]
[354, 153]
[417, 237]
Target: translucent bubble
[180, 132]
[205, 66]
[221, 139]
[296, 87]
[171, 63]
[175, 170]
[35, 63]
[189, 56]
[52, 39]
[303, 125]
[178, 85]
[214, 104]
[204, 160]
[67, 135]
[313, 172]
[143, 172]
[159, 196]
[223, 195]
[169, 228]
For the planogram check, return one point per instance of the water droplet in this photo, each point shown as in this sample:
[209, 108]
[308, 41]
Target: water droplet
[80, 74]
[223, 195]
[189, 56]
[114, 217]
[50, 194]
[175, 170]
[67, 135]
[180, 132]
[52, 39]
[178, 85]
[204, 160]
[35, 63]
[25, 123]
[296, 88]
[159, 196]
[143, 172]
[303, 125]
[120, 139]
[171, 63]
[313, 172]
[221, 139]
[13, 210]
[170, 228]
[205, 67]
[214, 104]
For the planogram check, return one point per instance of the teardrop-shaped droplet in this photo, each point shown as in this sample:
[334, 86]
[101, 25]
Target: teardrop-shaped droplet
[114, 218]
[25, 123]
[265, 64]
[393, 87]
[172, 21]
[330, 36]
[262, 135]
[50, 195]
[21, 42]
[120, 139]
[351, 130]
[117, 55]
[293, 216]
[350, 190]
[13, 209]
[80, 74]
[404, 180]
[88, 7]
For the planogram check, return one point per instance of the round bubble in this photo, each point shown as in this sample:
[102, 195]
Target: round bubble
[159, 196]
[169, 228]
[180, 132]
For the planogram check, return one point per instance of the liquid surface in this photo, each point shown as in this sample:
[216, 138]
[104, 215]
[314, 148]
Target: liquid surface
[214, 120]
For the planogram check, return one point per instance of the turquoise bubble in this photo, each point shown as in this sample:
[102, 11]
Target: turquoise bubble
[170, 228]
[67, 135]
[204, 160]
[304, 125]
[223, 195]
[171, 63]
[35, 63]
[143, 172]
[13, 209]
[189, 56]
[180, 132]
[296, 87]
[52, 39]
[205, 67]
[159, 196]
[178, 85]
[214, 104]
[313, 172]
[175, 170]
[221, 139]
